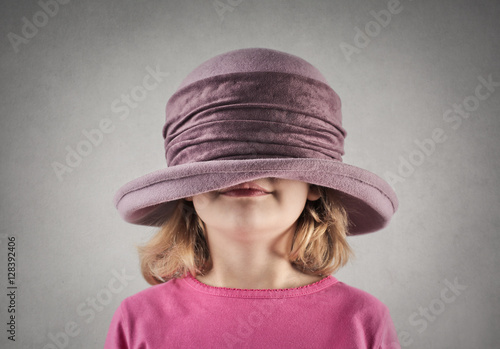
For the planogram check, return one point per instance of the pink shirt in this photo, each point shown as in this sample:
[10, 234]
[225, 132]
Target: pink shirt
[185, 313]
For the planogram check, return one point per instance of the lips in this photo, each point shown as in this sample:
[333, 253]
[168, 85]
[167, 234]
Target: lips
[249, 186]
[244, 193]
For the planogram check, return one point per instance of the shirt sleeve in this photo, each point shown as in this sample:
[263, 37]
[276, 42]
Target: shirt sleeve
[117, 337]
[389, 334]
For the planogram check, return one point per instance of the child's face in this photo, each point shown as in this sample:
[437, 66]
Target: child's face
[254, 217]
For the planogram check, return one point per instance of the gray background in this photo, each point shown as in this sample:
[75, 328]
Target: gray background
[396, 90]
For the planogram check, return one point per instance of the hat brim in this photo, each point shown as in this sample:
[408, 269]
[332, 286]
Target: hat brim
[150, 199]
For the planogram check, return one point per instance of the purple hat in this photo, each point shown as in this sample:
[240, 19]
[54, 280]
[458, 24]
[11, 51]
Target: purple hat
[250, 114]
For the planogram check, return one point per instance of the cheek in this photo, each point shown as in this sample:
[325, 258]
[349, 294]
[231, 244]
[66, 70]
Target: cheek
[289, 204]
[295, 207]
[203, 203]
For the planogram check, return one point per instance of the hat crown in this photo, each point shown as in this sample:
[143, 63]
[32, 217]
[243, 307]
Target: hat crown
[253, 104]
[253, 60]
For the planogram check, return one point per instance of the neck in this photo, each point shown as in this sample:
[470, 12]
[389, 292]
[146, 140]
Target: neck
[253, 265]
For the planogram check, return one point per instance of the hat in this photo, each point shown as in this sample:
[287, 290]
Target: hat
[249, 114]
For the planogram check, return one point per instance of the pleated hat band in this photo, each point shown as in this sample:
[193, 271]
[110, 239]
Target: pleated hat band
[253, 115]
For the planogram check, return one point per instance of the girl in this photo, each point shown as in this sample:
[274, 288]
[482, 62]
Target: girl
[254, 210]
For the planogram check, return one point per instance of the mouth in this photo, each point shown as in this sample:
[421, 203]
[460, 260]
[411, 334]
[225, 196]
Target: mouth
[245, 189]
[244, 192]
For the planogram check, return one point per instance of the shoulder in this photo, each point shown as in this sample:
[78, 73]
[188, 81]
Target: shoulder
[153, 296]
[354, 300]
[364, 312]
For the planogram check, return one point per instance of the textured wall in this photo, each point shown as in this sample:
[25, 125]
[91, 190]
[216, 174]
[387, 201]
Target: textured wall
[421, 105]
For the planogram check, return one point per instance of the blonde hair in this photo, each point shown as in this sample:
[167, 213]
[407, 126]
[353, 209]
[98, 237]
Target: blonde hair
[319, 245]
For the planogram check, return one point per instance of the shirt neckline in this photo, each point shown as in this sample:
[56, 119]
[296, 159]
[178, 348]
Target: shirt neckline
[259, 293]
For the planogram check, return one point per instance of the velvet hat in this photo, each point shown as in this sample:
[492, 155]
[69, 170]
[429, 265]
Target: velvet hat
[249, 114]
